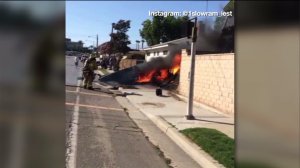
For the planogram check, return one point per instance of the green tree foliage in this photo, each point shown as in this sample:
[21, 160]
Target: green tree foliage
[162, 29]
[229, 6]
[220, 20]
[119, 39]
[219, 23]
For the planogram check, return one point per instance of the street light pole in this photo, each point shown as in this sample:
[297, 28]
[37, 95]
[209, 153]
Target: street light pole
[96, 43]
[190, 115]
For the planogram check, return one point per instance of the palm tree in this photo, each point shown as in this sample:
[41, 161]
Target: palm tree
[143, 43]
[137, 44]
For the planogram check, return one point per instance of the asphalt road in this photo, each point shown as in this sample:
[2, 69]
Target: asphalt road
[99, 132]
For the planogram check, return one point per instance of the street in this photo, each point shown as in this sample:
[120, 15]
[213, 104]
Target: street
[99, 132]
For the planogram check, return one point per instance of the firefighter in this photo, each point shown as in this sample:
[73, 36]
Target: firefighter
[88, 72]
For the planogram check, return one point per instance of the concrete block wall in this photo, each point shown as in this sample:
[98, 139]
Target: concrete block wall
[214, 80]
[126, 63]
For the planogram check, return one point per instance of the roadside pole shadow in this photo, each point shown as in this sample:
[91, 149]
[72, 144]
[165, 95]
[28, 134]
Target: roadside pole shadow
[132, 94]
[164, 96]
[101, 90]
[218, 122]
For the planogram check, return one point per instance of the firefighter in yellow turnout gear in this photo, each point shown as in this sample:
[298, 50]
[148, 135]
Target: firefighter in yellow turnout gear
[88, 72]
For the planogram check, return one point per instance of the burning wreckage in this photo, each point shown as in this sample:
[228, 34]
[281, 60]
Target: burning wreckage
[160, 71]
[164, 70]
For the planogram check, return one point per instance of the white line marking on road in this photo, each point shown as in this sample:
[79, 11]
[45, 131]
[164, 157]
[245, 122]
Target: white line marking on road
[97, 107]
[72, 151]
[85, 93]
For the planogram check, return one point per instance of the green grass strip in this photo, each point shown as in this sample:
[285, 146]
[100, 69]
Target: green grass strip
[214, 142]
[104, 71]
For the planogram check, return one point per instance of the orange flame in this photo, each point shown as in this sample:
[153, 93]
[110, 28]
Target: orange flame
[143, 78]
[175, 70]
[161, 74]
[176, 64]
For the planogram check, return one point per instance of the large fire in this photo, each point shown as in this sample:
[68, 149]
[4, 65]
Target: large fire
[161, 74]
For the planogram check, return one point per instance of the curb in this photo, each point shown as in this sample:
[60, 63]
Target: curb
[194, 151]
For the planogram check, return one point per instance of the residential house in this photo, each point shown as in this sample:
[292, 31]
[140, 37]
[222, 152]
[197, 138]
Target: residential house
[206, 42]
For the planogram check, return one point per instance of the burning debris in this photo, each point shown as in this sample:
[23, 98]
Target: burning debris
[159, 75]
[157, 71]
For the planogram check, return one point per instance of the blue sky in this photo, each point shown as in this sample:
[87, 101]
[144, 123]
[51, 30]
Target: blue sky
[85, 19]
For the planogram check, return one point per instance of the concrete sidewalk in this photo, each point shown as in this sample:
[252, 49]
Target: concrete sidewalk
[173, 110]
[168, 113]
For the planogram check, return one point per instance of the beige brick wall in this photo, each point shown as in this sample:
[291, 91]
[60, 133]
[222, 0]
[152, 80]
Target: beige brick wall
[214, 80]
[126, 63]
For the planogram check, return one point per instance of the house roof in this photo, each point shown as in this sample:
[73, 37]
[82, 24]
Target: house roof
[136, 52]
[166, 44]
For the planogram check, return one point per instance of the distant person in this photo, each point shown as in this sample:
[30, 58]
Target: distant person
[76, 59]
[112, 62]
[117, 64]
[88, 72]
[101, 62]
[105, 63]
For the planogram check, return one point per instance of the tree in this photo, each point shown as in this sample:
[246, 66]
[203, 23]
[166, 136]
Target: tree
[119, 40]
[219, 23]
[143, 43]
[137, 44]
[226, 41]
[162, 29]
[220, 20]
[91, 47]
[105, 48]
[147, 32]
[229, 6]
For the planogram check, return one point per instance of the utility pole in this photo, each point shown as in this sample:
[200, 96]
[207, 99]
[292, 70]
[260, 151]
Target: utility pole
[112, 30]
[97, 47]
[189, 115]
